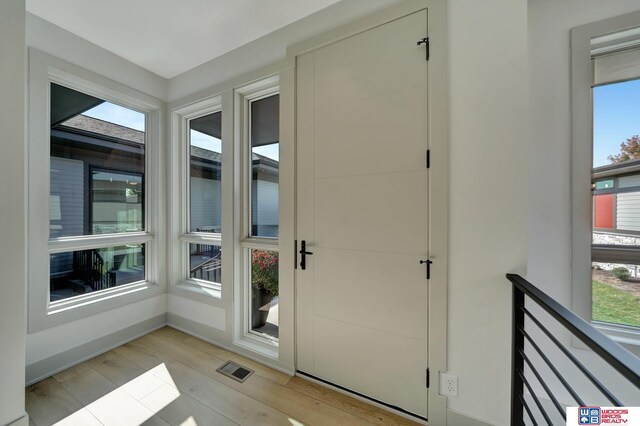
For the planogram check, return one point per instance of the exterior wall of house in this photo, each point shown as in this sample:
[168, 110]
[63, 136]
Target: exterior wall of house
[56, 347]
[264, 207]
[12, 225]
[205, 210]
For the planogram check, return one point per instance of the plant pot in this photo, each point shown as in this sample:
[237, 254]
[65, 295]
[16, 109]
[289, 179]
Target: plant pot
[259, 300]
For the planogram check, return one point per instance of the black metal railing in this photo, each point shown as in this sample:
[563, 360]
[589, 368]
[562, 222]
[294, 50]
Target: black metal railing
[544, 388]
[90, 267]
[209, 270]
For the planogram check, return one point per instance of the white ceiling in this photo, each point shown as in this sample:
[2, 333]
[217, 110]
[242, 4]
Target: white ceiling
[169, 37]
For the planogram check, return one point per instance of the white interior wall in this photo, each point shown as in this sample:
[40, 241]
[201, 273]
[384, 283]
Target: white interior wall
[488, 197]
[46, 343]
[12, 223]
[60, 43]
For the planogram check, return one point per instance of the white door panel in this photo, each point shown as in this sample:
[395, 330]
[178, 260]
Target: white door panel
[345, 276]
[384, 124]
[361, 302]
[363, 358]
[368, 212]
[371, 63]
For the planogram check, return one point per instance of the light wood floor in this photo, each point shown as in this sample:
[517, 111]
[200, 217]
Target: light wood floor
[168, 377]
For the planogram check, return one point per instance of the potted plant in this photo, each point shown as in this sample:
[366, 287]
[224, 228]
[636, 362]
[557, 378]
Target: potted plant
[264, 283]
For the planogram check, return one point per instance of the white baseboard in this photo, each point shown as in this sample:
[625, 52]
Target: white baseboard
[458, 419]
[47, 367]
[22, 421]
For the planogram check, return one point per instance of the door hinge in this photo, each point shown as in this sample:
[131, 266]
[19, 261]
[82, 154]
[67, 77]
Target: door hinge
[428, 379]
[425, 41]
[428, 262]
[428, 158]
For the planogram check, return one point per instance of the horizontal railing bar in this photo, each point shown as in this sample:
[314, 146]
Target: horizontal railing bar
[526, 407]
[575, 360]
[615, 355]
[544, 385]
[535, 399]
[562, 380]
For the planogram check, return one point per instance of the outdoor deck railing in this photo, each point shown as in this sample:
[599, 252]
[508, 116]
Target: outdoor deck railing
[209, 270]
[525, 325]
[90, 267]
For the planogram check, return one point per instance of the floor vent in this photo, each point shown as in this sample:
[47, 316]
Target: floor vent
[235, 371]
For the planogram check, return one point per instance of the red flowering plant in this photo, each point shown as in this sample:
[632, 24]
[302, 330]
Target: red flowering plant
[264, 271]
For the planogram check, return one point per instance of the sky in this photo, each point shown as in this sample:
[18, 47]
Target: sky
[616, 117]
[118, 115]
[136, 120]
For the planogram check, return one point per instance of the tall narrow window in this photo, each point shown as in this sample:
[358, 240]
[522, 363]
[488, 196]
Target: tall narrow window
[204, 236]
[262, 255]
[97, 191]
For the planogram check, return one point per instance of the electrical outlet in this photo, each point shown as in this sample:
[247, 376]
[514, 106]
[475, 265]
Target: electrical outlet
[448, 385]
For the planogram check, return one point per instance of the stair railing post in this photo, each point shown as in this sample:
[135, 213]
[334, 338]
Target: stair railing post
[517, 362]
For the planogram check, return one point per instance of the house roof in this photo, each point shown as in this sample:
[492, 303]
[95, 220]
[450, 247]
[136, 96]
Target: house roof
[104, 128]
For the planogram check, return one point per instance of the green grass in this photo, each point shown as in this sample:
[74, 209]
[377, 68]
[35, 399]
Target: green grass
[613, 305]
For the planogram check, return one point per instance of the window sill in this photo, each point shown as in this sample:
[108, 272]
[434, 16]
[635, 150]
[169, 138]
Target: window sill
[259, 345]
[101, 296]
[78, 308]
[199, 292]
[626, 336]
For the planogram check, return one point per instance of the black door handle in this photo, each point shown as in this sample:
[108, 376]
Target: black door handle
[303, 252]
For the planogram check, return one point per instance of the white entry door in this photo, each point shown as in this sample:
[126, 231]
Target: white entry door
[361, 301]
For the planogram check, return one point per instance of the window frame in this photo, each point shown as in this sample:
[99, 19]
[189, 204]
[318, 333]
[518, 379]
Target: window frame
[45, 69]
[181, 118]
[244, 337]
[581, 172]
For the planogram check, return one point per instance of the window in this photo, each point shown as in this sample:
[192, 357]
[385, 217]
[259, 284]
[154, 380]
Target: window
[259, 235]
[94, 205]
[97, 169]
[606, 175]
[205, 200]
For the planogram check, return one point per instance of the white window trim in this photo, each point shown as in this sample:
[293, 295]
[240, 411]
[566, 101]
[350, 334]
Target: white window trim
[195, 288]
[581, 166]
[243, 337]
[43, 70]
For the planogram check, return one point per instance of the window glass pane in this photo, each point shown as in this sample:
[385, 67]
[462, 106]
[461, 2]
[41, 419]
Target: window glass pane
[205, 147]
[616, 293]
[205, 262]
[97, 166]
[117, 202]
[604, 184]
[615, 124]
[615, 250]
[86, 271]
[265, 162]
[264, 292]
